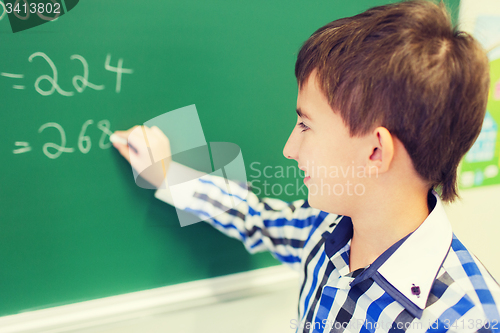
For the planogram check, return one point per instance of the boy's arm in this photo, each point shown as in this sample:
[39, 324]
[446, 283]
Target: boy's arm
[261, 224]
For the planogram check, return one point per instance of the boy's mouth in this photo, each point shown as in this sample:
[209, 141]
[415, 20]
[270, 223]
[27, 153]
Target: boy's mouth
[306, 175]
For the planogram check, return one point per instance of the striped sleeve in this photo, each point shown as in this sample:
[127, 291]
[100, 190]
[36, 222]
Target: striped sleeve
[280, 227]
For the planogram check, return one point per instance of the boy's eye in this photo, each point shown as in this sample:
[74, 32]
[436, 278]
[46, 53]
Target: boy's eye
[303, 126]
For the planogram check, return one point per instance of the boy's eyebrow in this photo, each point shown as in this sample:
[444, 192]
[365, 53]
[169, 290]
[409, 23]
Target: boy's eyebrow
[302, 114]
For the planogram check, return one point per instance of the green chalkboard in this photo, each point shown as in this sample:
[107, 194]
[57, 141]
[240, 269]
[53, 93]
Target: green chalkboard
[74, 226]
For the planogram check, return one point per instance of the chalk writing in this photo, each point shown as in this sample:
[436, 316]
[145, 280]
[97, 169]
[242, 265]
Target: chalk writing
[54, 150]
[80, 82]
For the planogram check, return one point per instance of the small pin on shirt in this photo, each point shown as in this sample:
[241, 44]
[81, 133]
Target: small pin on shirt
[415, 290]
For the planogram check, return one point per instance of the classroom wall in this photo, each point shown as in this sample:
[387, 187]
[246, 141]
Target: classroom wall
[476, 222]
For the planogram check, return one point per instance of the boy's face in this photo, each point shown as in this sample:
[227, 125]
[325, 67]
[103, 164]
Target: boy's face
[333, 160]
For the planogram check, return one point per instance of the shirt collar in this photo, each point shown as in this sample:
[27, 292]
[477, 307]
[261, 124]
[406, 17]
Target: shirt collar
[417, 261]
[407, 270]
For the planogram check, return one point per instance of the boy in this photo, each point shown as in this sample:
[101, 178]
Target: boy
[398, 96]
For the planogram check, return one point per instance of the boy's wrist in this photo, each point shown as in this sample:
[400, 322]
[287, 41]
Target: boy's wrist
[179, 186]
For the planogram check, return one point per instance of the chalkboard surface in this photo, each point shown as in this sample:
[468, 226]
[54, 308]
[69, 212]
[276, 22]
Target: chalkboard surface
[74, 226]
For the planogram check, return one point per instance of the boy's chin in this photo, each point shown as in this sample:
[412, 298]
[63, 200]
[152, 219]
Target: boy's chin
[329, 204]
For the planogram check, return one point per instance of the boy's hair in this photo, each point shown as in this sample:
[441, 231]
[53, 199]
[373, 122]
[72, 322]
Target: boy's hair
[403, 66]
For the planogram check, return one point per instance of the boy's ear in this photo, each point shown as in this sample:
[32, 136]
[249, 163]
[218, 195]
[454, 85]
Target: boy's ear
[382, 151]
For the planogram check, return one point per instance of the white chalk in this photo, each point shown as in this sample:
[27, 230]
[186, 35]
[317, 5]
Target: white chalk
[118, 139]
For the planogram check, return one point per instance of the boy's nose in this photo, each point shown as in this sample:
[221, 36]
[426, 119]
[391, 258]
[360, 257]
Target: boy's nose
[291, 147]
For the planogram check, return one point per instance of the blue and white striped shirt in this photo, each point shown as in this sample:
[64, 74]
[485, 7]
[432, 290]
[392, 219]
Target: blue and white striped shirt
[426, 282]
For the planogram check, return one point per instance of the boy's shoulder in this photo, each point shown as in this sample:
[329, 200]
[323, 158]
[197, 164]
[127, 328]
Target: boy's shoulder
[459, 287]
[467, 288]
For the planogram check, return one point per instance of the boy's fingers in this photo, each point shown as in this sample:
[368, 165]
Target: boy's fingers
[120, 134]
[123, 150]
[126, 133]
[145, 140]
[136, 134]
[159, 132]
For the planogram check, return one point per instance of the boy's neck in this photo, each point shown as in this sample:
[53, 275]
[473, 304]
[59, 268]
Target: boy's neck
[381, 223]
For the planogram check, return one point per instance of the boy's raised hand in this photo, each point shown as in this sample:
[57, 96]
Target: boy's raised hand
[144, 144]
